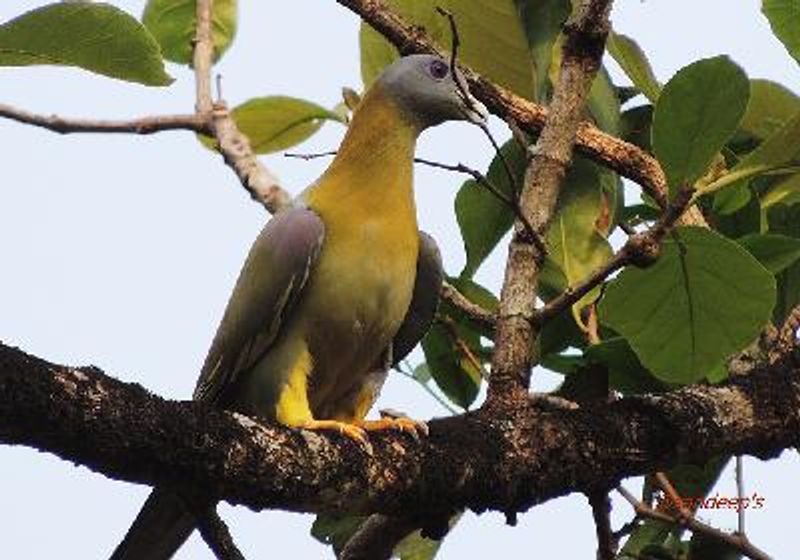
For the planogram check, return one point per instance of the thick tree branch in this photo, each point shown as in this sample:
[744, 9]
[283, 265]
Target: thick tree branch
[474, 460]
[516, 331]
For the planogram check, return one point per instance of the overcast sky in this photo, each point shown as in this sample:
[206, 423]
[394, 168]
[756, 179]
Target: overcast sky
[121, 251]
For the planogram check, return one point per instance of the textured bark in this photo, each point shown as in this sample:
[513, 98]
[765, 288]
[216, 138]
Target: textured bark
[551, 157]
[473, 460]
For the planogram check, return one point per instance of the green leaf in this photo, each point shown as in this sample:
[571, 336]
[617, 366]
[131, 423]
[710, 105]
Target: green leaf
[776, 252]
[335, 530]
[786, 220]
[577, 247]
[482, 218]
[783, 16]
[416, 547]
[785, 191]
[173, 24]
[626, 373]
[603, 103]
[697, 112]
[453, 369]
[770, 106]
[278, 122]
[542, 21]
[703, 300]
[492, 40]
[96, 37]
[634, 63]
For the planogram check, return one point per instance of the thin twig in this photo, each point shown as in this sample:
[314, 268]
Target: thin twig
[601, 509]
[308, 157]
[428, 390]
[474, 312]
[468, 99]
[461, 346]
[740, 493]
[739, 542]
[234, 146]
[217, 536]
[482, 180]
[141, 125]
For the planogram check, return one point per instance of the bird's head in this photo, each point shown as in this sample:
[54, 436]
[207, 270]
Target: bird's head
[424, 87]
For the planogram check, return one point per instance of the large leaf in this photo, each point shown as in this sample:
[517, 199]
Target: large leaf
[626, 373]
[173, 23]
[452, 354]
[697, 112]
[482, 217]
[780, 149]
[278, 122]
[783, 16]
[775, 251]
[770, 105]
[492, 40]
[786, 191]
[96, 37]
[576, 244]
[703, 300]
[542, 21]
[634, 63]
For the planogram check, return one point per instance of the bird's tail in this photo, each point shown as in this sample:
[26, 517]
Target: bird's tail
[159, 530]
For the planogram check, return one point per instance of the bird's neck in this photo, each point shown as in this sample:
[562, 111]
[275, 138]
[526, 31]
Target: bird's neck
[373, 168]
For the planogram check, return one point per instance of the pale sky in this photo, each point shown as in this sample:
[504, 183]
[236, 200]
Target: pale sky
[121, 251]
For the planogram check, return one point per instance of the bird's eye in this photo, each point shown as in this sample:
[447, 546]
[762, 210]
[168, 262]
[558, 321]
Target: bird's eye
[438, 69]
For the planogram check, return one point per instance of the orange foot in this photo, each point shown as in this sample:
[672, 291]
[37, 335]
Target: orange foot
[402, 423]
[353, 431]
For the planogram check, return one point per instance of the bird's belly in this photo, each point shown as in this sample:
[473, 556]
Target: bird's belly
[355, 314]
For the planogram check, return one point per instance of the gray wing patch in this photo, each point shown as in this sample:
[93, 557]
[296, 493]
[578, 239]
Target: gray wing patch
[424, 301]
[269, 285]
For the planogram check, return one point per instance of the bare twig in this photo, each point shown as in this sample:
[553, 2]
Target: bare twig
[308, 157]
[740, 493]
[216, 535]
[516, 331]
[142, 125]
[606, 540]
[234, 146]
[482, 180]
[739, 542]
[376, 538]
[473, 311]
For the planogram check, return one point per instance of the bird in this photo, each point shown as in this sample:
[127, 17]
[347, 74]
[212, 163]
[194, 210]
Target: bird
[337, 288]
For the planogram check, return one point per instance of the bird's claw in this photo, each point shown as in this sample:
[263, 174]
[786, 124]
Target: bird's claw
[415, 428]
[351, 431]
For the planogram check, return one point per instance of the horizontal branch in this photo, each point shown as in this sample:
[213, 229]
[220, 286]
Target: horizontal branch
[472, 460]
[142, 125]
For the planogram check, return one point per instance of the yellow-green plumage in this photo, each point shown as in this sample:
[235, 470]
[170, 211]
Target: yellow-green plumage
[326, 291]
